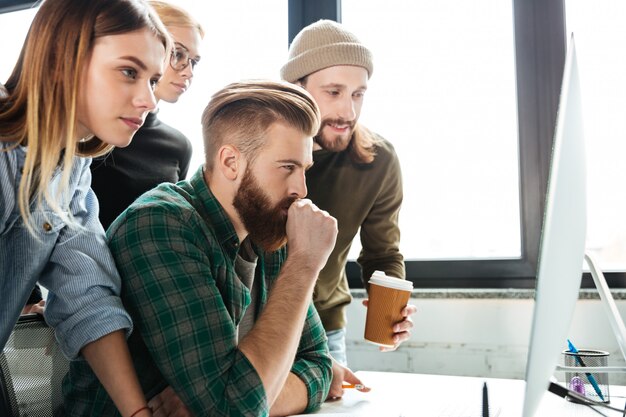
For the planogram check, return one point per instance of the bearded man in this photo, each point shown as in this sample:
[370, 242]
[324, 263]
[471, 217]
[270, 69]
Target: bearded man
[223, 315]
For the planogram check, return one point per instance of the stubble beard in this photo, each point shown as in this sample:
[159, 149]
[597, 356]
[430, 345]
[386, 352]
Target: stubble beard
[334, 143]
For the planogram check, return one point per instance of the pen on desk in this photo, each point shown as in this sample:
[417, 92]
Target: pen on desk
[590, 377]
[357, 386]
[485, 401]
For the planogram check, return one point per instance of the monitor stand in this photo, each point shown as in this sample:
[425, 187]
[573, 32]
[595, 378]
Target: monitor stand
[617, 324]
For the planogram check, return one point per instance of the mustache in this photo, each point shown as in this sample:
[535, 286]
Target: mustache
[337, 121]
[286, 202]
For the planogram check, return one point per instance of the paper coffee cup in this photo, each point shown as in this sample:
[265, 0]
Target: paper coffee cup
[387, 297]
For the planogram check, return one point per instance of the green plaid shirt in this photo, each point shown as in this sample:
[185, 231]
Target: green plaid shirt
[175, 249]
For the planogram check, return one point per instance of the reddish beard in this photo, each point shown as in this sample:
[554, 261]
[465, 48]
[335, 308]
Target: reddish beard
[266, 224]
[334, 143]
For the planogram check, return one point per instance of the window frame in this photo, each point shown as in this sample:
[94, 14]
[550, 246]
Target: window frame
[540, 48]
[7, 6]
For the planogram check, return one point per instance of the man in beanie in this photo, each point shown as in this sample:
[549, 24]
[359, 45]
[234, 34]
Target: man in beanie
[356, 173]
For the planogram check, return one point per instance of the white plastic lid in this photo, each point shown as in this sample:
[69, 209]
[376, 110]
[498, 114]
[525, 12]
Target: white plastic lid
[379, 278]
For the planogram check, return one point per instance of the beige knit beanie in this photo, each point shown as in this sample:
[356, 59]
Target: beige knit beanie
[324, 44]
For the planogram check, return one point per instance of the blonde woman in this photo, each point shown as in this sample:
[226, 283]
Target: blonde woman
[159, 152]
[83, 83]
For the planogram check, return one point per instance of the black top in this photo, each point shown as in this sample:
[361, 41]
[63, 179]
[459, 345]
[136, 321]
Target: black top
[158, 153]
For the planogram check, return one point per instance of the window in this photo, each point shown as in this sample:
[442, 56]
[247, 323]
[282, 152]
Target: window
[237, 45]
[600, 37]
[449, 78]
[13, 26]
[522, 113]
[444, 95]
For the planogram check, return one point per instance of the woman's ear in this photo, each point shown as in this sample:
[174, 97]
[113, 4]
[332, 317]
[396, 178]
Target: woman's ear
[229, 162]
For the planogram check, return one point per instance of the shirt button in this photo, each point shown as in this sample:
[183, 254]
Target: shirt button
[47, 226]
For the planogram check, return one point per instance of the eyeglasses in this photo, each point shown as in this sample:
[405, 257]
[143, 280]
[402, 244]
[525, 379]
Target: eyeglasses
[180, 59]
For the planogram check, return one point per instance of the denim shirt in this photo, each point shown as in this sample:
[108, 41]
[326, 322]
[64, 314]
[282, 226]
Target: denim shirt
[72, 262]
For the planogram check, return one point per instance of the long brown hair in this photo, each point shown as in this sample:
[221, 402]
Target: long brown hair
[40, 110]
[363, 145]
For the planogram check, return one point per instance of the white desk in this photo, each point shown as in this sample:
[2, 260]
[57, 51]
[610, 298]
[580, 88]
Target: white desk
[408, 395]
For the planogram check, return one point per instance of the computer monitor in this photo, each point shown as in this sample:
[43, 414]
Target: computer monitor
[562, 244]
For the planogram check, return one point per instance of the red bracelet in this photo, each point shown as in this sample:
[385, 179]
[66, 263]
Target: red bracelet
[145, 407]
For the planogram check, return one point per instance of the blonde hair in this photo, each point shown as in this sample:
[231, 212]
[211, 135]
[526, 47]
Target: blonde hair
[40, 110]
[241, 113]
[172, 15]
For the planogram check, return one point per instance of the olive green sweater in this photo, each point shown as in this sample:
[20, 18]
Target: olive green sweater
[366, 196]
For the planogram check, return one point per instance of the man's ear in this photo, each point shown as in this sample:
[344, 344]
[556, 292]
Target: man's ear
[230, 161]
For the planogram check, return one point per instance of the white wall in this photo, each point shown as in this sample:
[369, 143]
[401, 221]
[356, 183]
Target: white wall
[476, 337]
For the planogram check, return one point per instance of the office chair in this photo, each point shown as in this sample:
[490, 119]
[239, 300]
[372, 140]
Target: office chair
[32, 368]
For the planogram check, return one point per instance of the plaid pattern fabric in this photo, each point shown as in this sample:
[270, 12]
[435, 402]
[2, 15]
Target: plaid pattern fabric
[175, 249]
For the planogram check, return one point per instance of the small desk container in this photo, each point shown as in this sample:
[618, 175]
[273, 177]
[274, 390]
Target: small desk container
[589, 384]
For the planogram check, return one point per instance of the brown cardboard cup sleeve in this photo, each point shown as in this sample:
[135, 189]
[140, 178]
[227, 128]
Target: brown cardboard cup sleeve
[387, 297]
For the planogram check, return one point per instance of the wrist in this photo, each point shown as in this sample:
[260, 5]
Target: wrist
[302, 266]
[144, 411]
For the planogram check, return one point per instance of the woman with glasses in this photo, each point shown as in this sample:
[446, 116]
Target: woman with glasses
[159, 152]
[83, 83]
